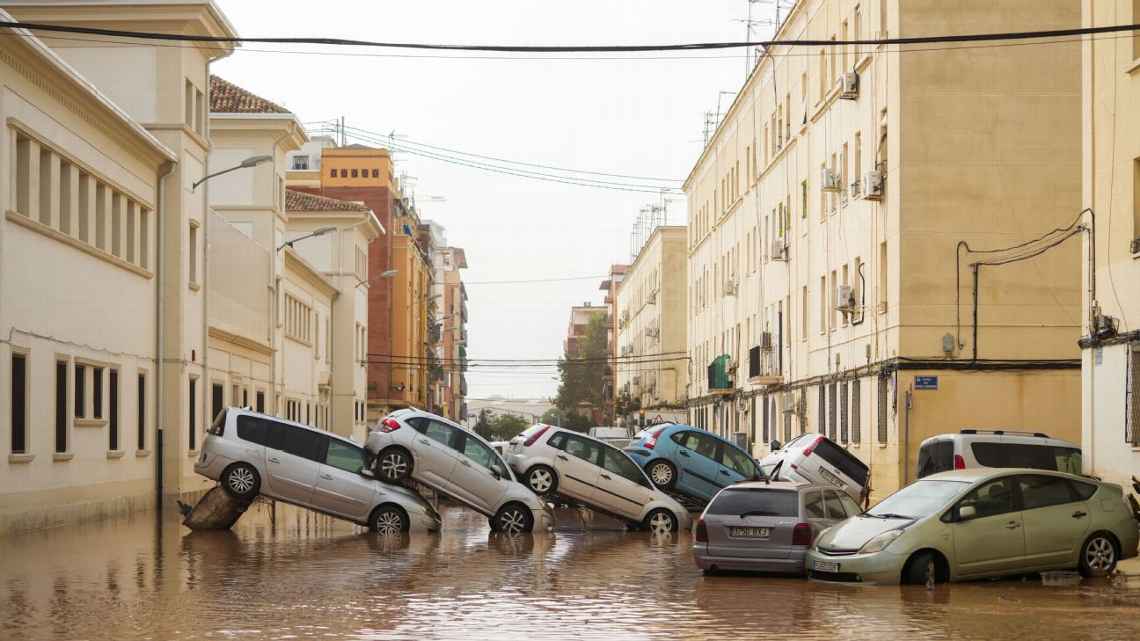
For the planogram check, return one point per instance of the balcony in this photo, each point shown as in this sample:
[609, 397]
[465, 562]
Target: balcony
[718, 378]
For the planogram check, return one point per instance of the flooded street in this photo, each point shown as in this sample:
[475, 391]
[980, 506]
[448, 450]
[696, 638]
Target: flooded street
[304, 576]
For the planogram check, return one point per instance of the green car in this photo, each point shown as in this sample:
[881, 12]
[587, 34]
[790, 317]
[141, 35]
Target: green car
[975, 523]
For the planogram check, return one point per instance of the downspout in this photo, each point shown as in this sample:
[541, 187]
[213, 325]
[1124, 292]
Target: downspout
[974, 346]
[907, 400]
[164, 171]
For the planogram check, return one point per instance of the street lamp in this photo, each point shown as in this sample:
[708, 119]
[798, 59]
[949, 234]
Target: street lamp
[245, 164]
[386, 274]
[317, 232]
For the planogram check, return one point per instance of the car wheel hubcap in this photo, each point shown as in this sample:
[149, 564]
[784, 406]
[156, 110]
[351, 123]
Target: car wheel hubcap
[1100, 554]
[540, 481]
[389, 523]
[241, 480]
[660, 522]
[512, 522]
[394, 466]
[662, 474]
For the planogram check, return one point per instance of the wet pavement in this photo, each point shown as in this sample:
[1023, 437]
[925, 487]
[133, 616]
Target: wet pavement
[304, 576]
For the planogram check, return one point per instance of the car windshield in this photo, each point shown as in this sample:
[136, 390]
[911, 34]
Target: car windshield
[918, 499]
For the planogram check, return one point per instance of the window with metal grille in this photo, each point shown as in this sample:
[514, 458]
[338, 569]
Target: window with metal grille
[882, 410]
[787, 424]
[141, 425]
[821, 419]
[856, 412]
[80, 390]
[843, 412]
[193, 426]
[97, 392]
[60, 406]
[19, 404]
[766, 424]
[1134, 398]
[831, 415]
[260, 401]
[752, 418]
[113, 410]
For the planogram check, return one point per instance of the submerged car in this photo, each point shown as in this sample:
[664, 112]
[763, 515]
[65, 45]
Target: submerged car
[429, 449]
[814, 458]
[970, 524]
[690, 460]
[250, 453]
[552, 460]
[766, 526]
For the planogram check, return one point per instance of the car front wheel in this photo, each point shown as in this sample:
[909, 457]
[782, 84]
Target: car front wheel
[389, 519]
[541, 480]
[394, 464]
[661, 521]
[513, 518]
[241, 481]
[662, 473]
[1098, 556]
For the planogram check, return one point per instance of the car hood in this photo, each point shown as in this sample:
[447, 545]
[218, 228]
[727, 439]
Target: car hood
[854, 533]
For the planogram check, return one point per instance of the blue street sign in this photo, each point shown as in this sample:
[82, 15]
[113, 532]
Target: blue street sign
[925, 382]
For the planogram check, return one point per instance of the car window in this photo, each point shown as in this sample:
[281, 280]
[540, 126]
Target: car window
[1038, 457]
[686, 439]
[618, 463]
[303, 443]
[557, 440]
[251, 428]
[702, 444]
[738, 462]
[813, 506]
[935, 457]
[849, 504]
[759, 502]
[1043, 491]
[440, 433]
[583, 449]
[843, 460]
[418, 423]
[344, 456]
[1068, 459]
[1084, 491]
[679, 437]
[991, 499]
[478, 452]
[834, 507]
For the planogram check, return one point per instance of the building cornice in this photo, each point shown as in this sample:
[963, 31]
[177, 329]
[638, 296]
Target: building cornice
[241, 341]
[309, 273]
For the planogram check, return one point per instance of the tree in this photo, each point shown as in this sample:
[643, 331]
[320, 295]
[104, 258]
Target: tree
[584, 373]
[552, 416]
[504, 427]
[483, 424]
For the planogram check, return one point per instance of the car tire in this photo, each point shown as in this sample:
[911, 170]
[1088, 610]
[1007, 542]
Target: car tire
[542, 479]
[389, 519]
[513, 518]
[1098, 555]
[660, 521]
[662, 473]
[241, 481]
[921, 569]
[393, 465]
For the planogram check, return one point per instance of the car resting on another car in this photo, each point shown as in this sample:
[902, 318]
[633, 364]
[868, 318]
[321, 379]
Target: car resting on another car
[814, 458]
[689, 460]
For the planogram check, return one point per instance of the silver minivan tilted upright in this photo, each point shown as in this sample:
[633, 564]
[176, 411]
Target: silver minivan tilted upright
[251, 453]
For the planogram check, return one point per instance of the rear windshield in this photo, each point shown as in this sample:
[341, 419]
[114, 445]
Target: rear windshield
[1038, 457]
[758, 502]
[843, 460]
[219, 425]
[650, 431]
[525, 434]
[935, 457]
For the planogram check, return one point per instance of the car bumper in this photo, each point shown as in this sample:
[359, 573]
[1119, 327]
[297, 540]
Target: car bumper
[425, 521]
[883, 568]
[517, 462]
[793, 564]
[210, 465]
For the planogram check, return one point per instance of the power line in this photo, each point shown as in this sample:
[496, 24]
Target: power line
[532, 280]
[694, 46]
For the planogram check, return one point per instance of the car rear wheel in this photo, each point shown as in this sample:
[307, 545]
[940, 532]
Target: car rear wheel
[661, 521]
[394, 465]
[1098, 556]
[241, 481]
[513, 518]
[389, 519]
[541, 480]
[662, 473]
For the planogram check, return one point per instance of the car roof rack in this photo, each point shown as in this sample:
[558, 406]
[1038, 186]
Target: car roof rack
[1005, 432]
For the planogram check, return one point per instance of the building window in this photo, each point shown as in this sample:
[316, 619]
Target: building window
[298, 320]
[140, 425]
[857, 160]
[80, 391]
[843, 413]
[97, 392]
[189, 107]
[217, 403]
[113, 410]
[834, 300]
[822, 304]
[200, 112]
[883, 276]
[375, 173]
[193, 255]
[355, 174]
[19, 411]
[260, 397]
[332, 173]
[193, 426]
[61, 406]
[1136, 193]
[344, 173]
[857, 30]
[765, 421]
[821, 419]
[1133, 404]
[300, 163]
[832, 433]
[856, 411]
[882, 409]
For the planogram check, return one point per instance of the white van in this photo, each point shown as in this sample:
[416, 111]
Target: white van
[997, 448]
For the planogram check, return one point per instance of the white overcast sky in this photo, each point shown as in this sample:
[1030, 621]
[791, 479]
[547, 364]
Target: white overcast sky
[640, 117]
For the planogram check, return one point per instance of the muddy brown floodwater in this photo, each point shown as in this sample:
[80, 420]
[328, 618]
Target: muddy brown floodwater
[303, 576]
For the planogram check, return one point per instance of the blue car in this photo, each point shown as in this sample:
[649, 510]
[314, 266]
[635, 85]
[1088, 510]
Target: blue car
[690, 460]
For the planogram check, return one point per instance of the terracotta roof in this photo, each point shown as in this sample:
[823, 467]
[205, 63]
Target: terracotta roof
[301, 201]
[228, 98]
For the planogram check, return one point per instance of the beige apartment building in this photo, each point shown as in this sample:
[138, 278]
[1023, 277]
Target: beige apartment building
[838, 217]
[652, 318]
[1110, 355]
[103, 352]
[448, 324]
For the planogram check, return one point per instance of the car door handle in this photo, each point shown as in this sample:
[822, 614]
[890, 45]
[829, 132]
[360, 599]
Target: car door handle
[465, 464]
[425, 441]
[563, 457]
[606, 477]
[327, 477]
[683, 453]
[273, 459]
[1079, 514]
[1012, 525]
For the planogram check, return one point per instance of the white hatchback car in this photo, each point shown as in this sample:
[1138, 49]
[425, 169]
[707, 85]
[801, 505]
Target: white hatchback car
[587, 470]
[814, 458]
[429, 449]
[251, 453]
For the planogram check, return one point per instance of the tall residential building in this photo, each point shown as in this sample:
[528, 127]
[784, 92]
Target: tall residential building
[652, 311]
[838, 217]
[574, 347]
[448, 325]
[103, 277]
[399, 271]
[610, 286]
[1110, 353]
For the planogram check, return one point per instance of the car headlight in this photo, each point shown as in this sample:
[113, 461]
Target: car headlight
[880, 542]
[823, 533]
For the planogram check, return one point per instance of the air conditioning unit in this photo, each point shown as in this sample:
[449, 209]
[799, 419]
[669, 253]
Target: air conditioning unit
[730, 287]
[849, 86]
[846, 299]
[873, 186]
[829, 180]
[652, 332]
[779, 249]
[766, 341]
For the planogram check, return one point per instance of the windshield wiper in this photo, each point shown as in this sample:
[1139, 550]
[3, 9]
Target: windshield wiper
[890, 515]
[758, 513]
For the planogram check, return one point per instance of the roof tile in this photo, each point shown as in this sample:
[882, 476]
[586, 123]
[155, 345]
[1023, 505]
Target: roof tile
[228, 98]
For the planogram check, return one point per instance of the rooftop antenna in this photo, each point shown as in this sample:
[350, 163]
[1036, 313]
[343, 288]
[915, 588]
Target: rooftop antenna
[749, 24]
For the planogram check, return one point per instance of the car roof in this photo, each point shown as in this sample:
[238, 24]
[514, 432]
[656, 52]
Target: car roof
[249, 412]
[774, 485]
[559, 428]
[977, 474]
[1000, 436]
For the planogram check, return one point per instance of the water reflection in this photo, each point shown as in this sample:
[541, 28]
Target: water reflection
[291, 573]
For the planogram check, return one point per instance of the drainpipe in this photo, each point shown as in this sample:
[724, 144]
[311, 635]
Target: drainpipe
[908, 401]
[164, 171]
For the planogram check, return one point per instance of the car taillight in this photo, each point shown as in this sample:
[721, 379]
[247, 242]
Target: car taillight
[534, 437]
[389, 425]
[959, 462]
[808, 450]
[801, 534]
[702, 533]
[651, 438]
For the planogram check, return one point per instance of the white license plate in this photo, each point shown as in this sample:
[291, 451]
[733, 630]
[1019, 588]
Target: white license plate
[827, 566]
[749, 532]
[831, 478]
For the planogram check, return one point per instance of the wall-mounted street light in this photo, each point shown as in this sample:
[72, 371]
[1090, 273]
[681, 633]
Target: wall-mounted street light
[252, 161]
[317, 232]
[386, 274]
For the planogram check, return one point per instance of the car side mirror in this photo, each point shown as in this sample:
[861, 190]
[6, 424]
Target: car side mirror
[967, 512]
[774, 445]
[497, 474]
